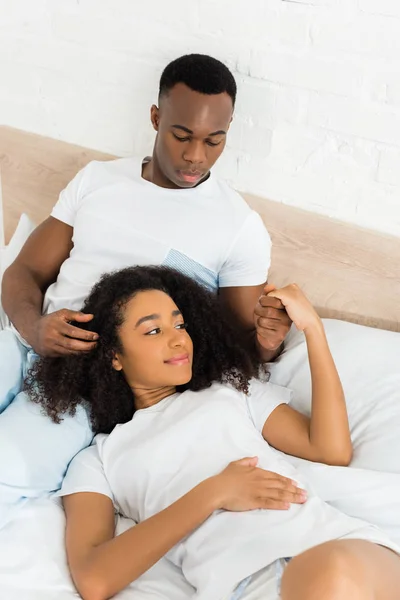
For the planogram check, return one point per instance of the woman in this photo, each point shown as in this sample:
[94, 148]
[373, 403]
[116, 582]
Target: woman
[182, 400]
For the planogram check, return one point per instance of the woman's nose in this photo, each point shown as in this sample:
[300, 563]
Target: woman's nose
[176, 339]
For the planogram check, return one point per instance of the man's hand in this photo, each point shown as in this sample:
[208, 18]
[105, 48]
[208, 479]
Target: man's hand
[271, 320]
[55, 336]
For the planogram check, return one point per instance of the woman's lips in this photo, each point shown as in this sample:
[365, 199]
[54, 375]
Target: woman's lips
[182, 359]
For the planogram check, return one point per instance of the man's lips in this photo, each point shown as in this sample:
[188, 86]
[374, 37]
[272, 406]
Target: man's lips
[181, 359]
[190, 176]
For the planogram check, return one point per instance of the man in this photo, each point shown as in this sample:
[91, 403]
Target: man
[167, 209]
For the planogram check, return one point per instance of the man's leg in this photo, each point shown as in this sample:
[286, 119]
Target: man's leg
[35, 452]
[12, 361]
[343, 569]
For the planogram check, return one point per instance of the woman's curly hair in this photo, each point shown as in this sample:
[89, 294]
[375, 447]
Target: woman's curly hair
[60, 384]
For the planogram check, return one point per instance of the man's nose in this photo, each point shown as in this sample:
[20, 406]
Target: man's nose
[195, 153]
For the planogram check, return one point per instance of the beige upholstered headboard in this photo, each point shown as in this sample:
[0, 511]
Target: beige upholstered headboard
[347, 272]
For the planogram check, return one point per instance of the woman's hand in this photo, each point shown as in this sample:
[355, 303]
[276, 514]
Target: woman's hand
[298, 307]
[244, 486]
[326, 436]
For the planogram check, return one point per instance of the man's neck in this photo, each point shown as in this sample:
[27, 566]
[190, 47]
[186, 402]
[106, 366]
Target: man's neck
[152, 173]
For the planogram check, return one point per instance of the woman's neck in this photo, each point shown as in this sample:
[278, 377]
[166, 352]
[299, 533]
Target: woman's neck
[144, 398]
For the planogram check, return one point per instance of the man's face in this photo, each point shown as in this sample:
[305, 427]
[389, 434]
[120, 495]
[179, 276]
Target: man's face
[191, 134]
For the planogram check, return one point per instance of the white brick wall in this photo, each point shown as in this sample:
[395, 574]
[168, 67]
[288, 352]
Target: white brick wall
[318, 117]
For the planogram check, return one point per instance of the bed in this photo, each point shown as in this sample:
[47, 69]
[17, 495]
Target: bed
[353, 278]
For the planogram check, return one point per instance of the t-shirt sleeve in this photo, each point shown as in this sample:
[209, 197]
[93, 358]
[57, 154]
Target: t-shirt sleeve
[263, 398]
[70, 198]
[86, 474]
[249, 258]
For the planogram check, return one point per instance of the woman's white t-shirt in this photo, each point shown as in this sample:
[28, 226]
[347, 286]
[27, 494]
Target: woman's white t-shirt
[166, 450]
[119, 220]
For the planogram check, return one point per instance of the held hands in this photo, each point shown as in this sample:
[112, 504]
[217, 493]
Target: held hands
[271, 320]
[244, 486]
[55, 336]
[275, 311]
[297, 305]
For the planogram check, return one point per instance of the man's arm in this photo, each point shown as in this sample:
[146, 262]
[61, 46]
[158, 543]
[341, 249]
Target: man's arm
[263, 320]
[265, 325]
[35, 268]
[25, 283]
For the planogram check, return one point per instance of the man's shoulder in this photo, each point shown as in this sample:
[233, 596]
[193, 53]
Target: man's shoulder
[230, 202]
[226, 190]
[115, 169]
[99, 174]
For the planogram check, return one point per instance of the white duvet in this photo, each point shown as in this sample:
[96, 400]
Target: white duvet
[32, 558]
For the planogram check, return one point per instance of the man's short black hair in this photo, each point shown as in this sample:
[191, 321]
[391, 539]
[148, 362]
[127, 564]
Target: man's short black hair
[201, 73]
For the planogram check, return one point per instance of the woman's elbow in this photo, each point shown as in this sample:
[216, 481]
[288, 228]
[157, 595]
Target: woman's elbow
[346, 458]
[340, 458]
[91, 587]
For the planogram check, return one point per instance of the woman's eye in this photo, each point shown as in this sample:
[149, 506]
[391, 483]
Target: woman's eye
[153, 331]
[210, 143]
[182, 326]
[181, 139]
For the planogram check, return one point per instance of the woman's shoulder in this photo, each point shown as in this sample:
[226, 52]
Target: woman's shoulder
[263, 387]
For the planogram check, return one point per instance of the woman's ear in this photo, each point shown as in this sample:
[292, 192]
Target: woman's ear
[116, 363]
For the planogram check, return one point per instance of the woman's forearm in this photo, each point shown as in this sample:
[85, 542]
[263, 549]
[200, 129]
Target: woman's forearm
[329, 426]
[113, 565]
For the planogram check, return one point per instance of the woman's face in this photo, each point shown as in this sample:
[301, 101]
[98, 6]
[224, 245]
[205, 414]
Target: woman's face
[157, 351]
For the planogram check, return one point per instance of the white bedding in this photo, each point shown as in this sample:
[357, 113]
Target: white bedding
[32, 558]
[33, 564]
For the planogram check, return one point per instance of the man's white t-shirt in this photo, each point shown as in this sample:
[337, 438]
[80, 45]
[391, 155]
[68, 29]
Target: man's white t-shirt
[120, 220]
[165, 450]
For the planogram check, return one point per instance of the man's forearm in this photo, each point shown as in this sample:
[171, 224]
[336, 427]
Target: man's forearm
[268, 355]
[22, 299]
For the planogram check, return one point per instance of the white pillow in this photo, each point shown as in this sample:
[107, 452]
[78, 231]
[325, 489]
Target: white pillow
[9, 253]
[368, 364]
